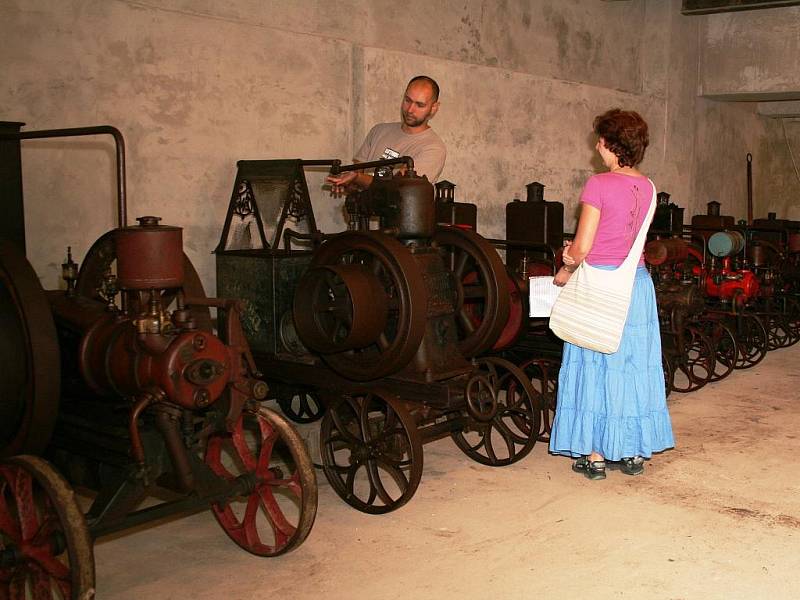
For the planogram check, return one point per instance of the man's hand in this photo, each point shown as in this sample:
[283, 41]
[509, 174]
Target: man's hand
[341, 184]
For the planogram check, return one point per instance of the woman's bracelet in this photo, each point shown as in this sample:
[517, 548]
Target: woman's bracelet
[567, 269]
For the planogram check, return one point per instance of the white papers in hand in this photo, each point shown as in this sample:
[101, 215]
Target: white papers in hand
[543, 294]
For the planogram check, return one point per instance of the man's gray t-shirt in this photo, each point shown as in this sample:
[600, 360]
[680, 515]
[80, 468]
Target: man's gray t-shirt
[426, 148]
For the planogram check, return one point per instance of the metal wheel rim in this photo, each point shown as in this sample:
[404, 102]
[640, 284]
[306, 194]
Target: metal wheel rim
[538, 371]
[270, 485]
[364, 433]
[25, 309]
[695, 361]
[725, 350]
[517, 421]
[752, 340]
[48, 529]
[473, 255]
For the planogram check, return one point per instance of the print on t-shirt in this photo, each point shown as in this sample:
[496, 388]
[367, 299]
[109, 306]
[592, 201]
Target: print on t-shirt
[388, 154]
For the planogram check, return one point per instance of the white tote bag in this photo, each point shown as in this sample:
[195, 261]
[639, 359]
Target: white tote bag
[592, 307]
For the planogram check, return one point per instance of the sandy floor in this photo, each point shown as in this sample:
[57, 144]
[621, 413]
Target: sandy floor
[717, 518]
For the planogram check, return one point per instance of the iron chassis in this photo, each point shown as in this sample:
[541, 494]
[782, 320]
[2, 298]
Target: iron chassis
[375, 331]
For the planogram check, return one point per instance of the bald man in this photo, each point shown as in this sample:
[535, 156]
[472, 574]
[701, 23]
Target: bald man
[412, 136]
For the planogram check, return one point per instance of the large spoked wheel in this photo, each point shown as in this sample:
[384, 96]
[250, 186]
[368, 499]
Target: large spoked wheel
[694, 363]
[791, 311]
[303, 406]
[102, 257]
[371, 452]
[543, 375]
[405, 298]
[482, 284]
[779, 334]
[30, 379]
[516, 425]
[45, 547]
[725, 348]
[276, 500]
[752, 339]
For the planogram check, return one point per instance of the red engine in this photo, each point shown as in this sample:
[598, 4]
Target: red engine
[737, 286]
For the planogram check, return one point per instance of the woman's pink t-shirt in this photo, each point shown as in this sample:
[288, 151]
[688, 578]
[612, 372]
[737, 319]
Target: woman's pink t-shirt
[623, 201]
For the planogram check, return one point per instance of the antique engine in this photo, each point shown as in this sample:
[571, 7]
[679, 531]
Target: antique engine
[376, 330]
[120, 385]
[141, 351]
[728, 278]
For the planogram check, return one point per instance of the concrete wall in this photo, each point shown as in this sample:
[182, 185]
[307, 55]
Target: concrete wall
[196, 85]
[747, 57]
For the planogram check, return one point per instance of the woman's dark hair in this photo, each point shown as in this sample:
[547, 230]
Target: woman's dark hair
[625, 134]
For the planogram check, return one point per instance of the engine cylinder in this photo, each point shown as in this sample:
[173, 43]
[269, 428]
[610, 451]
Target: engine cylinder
[192, 368]
[414, 216]
[726, 243]
[658, 252]
[149, 255]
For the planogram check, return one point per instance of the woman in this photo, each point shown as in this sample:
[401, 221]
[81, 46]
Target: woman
[612, 407]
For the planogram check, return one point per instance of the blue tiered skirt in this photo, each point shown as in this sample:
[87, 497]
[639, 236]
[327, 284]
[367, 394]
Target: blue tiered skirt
[615, 404]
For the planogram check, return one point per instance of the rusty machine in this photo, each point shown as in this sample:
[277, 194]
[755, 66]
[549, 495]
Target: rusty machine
[120, 381]
[378, 330]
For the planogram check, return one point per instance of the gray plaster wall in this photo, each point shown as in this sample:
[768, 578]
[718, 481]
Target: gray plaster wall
[746, 57]
[195, 85]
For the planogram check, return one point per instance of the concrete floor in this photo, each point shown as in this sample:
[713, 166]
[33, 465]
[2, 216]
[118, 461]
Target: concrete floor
[716, 518]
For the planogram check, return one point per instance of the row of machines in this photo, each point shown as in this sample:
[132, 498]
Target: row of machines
[727, 291]
[406, 327]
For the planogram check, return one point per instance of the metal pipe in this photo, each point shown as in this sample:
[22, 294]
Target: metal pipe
[749, 189]
[167, 424]
[119, 141]
[409, 162]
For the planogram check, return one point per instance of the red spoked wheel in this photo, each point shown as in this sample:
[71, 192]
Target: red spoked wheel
[275, 502]
[45, 547]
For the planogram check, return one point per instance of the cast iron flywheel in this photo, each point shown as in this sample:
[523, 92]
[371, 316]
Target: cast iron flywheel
[362, 305]
[31, 370]
[484, 299]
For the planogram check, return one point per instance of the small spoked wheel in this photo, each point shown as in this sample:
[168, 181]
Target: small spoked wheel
[694, 364]
[543, 375]
[725, 349]
[304, 406]
[752, 339]
[274, 501]
[513, 430]
[45, 547]
[371, 451]
[481, 398]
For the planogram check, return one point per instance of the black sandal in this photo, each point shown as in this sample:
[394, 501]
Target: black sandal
[591, 469]
[632, 465]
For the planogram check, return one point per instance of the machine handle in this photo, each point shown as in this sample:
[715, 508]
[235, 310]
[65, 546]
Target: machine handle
[119, 141]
